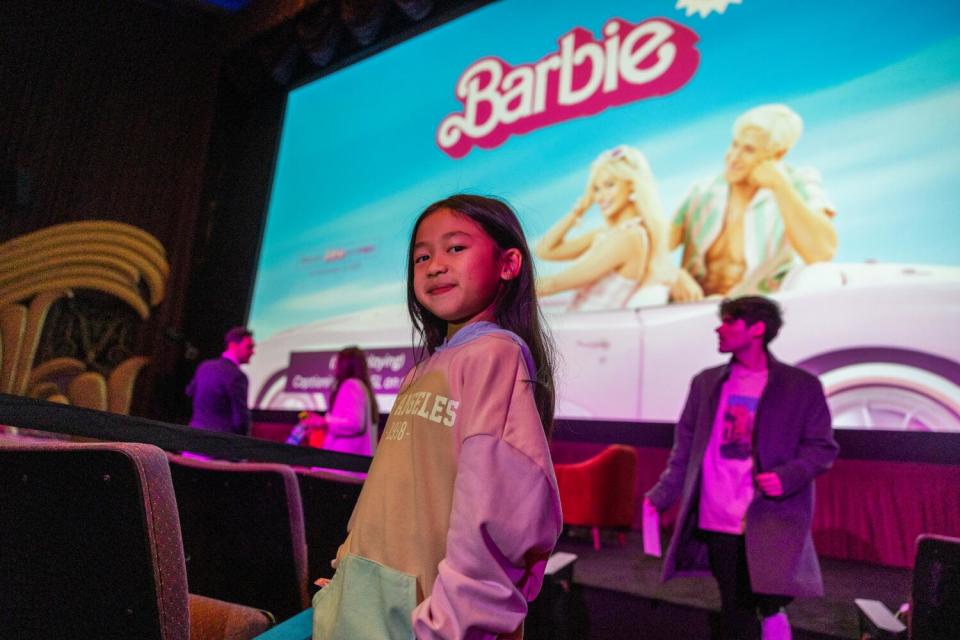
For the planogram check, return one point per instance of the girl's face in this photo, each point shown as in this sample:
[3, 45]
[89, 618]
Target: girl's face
[457, 268]
[612, 194]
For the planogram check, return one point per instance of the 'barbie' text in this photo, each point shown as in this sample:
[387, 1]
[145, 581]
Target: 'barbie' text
[585, 76]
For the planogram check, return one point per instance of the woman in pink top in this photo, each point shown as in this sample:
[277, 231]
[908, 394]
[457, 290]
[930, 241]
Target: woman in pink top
[350, 424]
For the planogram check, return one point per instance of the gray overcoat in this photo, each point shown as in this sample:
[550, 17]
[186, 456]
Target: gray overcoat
[793, 438]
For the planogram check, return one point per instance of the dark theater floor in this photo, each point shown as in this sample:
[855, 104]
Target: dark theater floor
[625, 599]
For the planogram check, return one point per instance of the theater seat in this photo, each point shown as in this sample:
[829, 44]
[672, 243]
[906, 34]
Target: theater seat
[599, 492]
[328, 501]
[243, 533]
[934, 609]
[90, 547]
[212, 619]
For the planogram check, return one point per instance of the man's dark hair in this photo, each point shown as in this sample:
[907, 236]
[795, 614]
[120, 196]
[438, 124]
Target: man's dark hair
[754, 309]
[235, 335]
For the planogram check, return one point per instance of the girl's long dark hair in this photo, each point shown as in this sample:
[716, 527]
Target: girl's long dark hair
[352, 363]
[516, 307]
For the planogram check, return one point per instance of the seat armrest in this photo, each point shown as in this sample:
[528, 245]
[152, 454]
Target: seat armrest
[212, 619]
[877, 622]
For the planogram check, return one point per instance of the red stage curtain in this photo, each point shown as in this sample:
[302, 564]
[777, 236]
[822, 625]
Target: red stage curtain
[276, 431]
[874, 510]
[866, 510]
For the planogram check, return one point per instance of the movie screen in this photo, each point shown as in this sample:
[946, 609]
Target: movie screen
[661, 156]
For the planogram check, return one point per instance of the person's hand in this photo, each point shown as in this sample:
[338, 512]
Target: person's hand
[767, 174]
[648, 508]
[313, 420]
[685, 288]
[769, 484]
[583, 203]
[322, 582]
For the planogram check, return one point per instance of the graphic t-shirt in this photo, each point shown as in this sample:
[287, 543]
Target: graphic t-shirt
[726, 484]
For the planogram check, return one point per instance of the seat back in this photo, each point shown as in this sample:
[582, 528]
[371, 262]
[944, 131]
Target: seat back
[328, 501]
[600, 491]
[90, 543]
[243, 533]
[936, 589]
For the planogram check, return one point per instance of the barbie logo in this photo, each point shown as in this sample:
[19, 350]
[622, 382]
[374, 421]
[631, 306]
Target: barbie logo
[585, 76]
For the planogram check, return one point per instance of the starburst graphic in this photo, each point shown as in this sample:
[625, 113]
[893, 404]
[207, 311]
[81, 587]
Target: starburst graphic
[705, 7]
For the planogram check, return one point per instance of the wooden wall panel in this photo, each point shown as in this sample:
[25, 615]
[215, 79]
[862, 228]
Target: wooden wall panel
[107, 106]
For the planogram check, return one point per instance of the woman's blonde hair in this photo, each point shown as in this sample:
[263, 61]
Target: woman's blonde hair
[627, 163]
[780, 122]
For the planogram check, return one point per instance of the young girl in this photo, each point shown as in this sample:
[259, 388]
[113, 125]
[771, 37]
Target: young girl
[460, 510]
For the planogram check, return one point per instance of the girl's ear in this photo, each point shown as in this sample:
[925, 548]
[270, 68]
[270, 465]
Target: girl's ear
[510, 262]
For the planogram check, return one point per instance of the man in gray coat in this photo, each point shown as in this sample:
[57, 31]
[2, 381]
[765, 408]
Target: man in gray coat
[753, 435]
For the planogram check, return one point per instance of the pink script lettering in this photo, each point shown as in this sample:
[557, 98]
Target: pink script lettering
[583, 77]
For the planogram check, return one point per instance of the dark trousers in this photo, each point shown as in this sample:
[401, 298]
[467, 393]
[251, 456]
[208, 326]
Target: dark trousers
[739, 605]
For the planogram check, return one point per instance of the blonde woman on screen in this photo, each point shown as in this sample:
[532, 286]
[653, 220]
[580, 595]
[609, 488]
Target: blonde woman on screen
[624, 263]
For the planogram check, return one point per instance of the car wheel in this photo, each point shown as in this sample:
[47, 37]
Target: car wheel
[889, 388]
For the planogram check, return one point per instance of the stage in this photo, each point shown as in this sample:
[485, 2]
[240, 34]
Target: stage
[624, 598]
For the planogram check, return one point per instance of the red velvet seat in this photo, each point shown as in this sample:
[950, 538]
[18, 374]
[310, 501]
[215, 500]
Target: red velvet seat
[599, 493]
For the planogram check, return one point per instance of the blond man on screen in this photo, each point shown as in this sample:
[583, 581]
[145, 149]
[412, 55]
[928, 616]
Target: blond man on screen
[743, 231]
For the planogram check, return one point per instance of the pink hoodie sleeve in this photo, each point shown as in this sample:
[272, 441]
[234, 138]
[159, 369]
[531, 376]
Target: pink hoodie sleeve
[504, 525]
[505, 518]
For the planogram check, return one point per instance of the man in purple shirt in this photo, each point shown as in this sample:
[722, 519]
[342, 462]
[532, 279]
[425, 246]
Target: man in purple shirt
[219, 387]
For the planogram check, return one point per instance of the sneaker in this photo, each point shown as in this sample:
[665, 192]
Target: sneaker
[775, 627]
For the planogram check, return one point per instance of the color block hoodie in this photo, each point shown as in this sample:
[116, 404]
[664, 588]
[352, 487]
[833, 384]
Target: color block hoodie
[460, 510]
